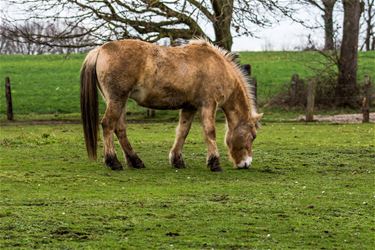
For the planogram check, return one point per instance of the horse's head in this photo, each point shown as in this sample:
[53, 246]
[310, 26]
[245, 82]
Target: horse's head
[240, 140]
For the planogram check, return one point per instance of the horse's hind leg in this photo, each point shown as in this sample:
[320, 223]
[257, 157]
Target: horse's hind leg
[175, 155]
[109, 121]
[208, 122]
[131, 157]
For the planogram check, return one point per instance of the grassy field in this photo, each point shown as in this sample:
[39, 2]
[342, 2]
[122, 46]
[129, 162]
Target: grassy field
[311, 187]
[49, 84]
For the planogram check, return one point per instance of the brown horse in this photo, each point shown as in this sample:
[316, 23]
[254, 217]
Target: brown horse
[195, 77]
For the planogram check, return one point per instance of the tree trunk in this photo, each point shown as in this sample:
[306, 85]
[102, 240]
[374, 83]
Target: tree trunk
[347, 89]
[223, 10]
[368, 38]
[369, 24]
[328, 24]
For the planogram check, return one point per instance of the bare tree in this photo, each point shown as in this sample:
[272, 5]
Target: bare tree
[13, 43]
[347, 89]
[32, 38]
[369, 25]
[153, 20]
[327, 7]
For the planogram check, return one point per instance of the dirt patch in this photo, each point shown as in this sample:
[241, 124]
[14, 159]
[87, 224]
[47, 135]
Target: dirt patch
[64, 233]
[61, 122]
[343, 118]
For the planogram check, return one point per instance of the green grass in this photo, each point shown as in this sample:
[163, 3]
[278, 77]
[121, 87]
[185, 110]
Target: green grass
[42, 84]
[310, 187]
[49, 84]
[273, 69]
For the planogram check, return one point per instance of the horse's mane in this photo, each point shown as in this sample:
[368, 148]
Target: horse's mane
[231, 58]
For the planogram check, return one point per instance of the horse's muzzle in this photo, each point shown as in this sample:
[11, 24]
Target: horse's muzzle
[246, 163]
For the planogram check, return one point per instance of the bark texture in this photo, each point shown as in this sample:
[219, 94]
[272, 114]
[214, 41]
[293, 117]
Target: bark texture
[347, 89]
[328, 24]
[370, 23]
[223, 10]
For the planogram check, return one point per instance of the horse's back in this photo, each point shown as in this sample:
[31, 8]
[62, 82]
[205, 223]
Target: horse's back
[162, 77]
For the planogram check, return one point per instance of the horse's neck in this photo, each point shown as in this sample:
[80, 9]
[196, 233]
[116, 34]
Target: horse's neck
[237, 108]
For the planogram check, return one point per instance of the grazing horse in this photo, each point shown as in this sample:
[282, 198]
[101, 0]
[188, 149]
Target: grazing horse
[195, 77]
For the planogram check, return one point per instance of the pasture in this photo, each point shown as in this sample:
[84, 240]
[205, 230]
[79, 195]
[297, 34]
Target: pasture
[49, 84]
[310, 187]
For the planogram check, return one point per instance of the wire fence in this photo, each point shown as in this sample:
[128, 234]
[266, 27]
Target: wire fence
[314, 95]
[294, 94]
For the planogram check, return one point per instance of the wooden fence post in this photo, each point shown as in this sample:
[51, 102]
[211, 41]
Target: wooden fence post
[310, 100]
[294, 86]
[151, 112]
[255, 90]
[366, 99]
[247, 69]
[8, 96]
[252, 81]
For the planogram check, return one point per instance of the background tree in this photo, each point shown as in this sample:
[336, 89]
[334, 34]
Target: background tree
[368, 24]
[327, 7]
[347, 89]
[32, 38]
[153, 20]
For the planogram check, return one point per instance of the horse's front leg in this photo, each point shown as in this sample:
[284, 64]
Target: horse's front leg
[131, 157]
[208, 114]
[183, 128]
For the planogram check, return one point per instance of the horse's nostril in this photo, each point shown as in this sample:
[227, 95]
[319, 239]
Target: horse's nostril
[246, 163]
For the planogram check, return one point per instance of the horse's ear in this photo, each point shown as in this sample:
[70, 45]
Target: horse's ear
[257, 117]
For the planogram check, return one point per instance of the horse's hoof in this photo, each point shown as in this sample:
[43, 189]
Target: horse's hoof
[134, 161]
[214, 164]
[113, 163]
[216, 169]
[244, 167]
[177, 161]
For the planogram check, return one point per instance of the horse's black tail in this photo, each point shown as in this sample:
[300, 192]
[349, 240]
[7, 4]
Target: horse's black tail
[89, 103]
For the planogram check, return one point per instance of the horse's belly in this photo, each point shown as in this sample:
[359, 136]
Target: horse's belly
[166, 98]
